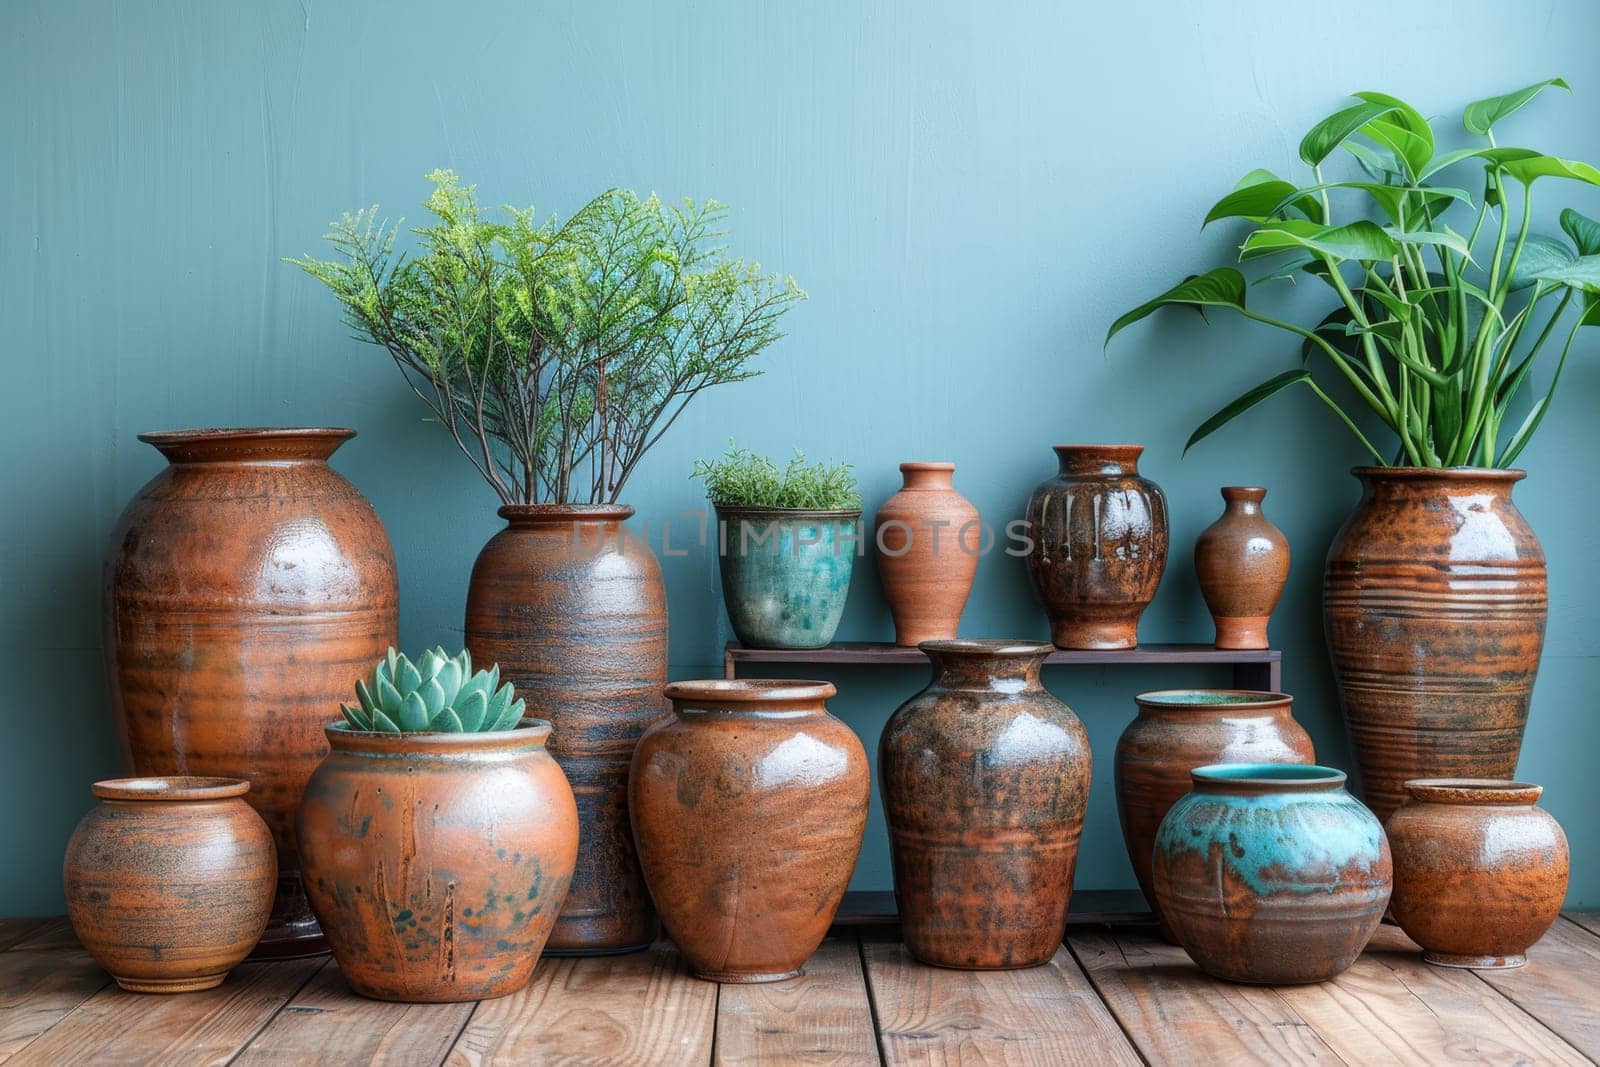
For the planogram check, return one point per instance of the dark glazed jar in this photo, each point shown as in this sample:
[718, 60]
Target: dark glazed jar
[749, 804]
[1242, 564]
[1099, 534]
[248, 585]
[985, 778]
[1434, 603]
[569, 601]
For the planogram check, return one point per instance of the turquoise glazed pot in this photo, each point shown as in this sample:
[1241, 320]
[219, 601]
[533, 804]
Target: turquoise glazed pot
[1271, 873]
[786, 573]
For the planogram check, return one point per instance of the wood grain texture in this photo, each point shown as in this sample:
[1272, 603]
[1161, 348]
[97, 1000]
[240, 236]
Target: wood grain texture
[821, 1017]
[644, 1008]
[1392, 1007]
[327, 1023]
[1560, 985]
[14, 930]
[115, 1026]
[40, 986]
[53, 933]
[1589, 920]
[1044, 1015]
[1177, 1015]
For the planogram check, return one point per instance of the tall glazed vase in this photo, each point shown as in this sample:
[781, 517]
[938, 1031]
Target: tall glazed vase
[929, 540]
[1434, 604]
[247, 586]
[569, 601]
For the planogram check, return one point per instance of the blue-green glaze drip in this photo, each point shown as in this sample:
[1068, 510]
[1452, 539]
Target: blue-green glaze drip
[789, 590]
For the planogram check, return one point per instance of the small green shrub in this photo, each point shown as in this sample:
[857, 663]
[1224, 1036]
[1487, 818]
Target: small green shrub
[742, 479]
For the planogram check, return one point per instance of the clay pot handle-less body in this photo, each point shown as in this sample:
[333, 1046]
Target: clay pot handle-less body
[1242, 563]
[928, 541]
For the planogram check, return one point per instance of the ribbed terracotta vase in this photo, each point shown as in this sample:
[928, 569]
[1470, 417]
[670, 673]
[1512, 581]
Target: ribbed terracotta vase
[985, 778]
[1434, 604]
[248, 585]
[1242, 564]
[1099, 534]
[1178, 730]
[1480, 871]
[748, 805]
[170, 881]
[928, 541]
[569, 601]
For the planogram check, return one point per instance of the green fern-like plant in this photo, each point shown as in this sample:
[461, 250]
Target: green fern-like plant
[741, 479]
[436, 694]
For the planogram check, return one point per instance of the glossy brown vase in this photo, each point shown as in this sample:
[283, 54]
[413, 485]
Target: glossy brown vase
[437, 863]
[1434, 604]
[1480, 872]
[1242, 564]
[1178, 730]
[569, 601]
[1099, 546]
[248, 585]
[985, 777]
[748, 805]
[170, 881]
[928, 541]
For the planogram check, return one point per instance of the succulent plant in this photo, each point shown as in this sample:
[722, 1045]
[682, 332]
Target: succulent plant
[436, 694]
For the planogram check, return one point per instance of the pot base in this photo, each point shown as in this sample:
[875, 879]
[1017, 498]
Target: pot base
[1475, 963]
[948, 965]
[579, 953]
[747, 977]
[1095, 636]
[1242, 632]
[171, 985]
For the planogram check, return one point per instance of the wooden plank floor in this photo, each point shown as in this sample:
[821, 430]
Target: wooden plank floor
[1114, 994]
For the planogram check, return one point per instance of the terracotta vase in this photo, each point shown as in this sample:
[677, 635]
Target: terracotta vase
[786, 573]
[1271, 873]
[1480, 872]
[928, 541]
[1242, 563]
[748, 806]
[1434, 604]
[1099, 535]
[1178, 730]
[170, 881]
[985, 777]
[569, 601]
[437, 862]
[247, 586]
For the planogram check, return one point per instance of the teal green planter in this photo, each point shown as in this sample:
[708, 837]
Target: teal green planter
[786, 573]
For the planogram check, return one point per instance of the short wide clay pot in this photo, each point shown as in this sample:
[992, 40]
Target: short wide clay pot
[170, 881]
[928, 540]
[438, 862]
[1271, 873]
[786, 573]
[1480, 871]
[1242, 563]
[748, 808]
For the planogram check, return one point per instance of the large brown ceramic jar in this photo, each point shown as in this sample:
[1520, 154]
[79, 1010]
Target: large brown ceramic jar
[749, 804]
[1434, 603]
[1480, 872]
[1099, 535]
[1242, 563]
[570, 603]
[437, 862]
[984, 777]
[928, 541]
[170, 880]
[1178, 730]
[248, 584]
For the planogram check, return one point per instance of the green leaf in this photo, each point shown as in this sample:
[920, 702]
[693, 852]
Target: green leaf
[449, 680]
[389, 698]
[1244, 403]
[1379, 167]
[1357, 240]
[355, 719]
[1389, 197]
[391, 661]
[1444, 237]
[1530, 168]
[512, 715]
[498, 703]
[1539, 254]
[1490, 156]
[471, 711]
[408, 678]
[446, 722]
[413, 713]
[1402, 130]
[1481, 115]
[1221, 287]
[1582, 273]
[1591, 313]
[1325, 136]
[1259, 195]
[364, 695]
[432, 694]
[384, 724]
[1584, 231]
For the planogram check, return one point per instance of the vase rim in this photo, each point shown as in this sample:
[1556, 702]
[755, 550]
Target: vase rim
[1206, 699]
[1244, 492]
[964, 646]
[754, 692]
[247, 443]
[1461, 474]
[176, 787]
[1082, 450]
[926, 465]
[1271, 777]
[529, 732]
[541, 513]
[1472, 791]
[741, 510]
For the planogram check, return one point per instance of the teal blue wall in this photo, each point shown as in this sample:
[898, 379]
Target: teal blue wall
[970, 193]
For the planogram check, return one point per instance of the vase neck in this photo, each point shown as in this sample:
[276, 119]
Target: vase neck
[254, 445]
[1082, 461]
[934, 476]
[986, 664]
[1242, 499]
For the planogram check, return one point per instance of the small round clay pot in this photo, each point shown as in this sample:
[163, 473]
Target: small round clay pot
[748, 808]
[1242, 563]
[786, 573]
[929, 539]
[170, 881]
[438, 862]
[1178, 730]
[1480, 872]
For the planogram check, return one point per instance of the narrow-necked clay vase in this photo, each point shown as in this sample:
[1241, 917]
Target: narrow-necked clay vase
[786, 573]
[170, 881]
[1099, 533]
[748, 807]
[1178, 730]
[1480, 871]
[1242, 563]
[985, 777]
[438, 862]
[928, 540]
[1271, 873]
